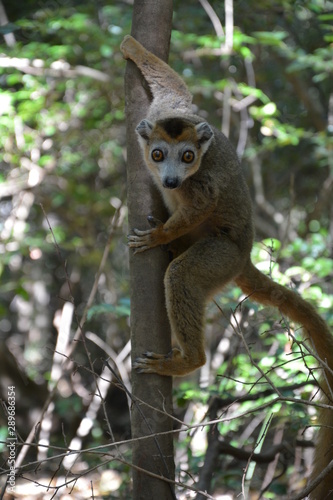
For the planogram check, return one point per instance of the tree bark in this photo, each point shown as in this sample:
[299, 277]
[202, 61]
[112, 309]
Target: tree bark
[150, 329]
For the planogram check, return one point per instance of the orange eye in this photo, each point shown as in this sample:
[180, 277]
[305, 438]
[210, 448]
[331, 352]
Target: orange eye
[157, 155]
[188, 157]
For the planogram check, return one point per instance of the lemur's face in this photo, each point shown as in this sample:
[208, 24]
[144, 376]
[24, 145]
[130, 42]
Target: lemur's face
[173, 148]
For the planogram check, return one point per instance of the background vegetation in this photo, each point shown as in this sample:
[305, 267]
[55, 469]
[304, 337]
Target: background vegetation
[63, 254]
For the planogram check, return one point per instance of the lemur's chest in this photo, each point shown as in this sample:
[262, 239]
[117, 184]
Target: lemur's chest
[172, 199]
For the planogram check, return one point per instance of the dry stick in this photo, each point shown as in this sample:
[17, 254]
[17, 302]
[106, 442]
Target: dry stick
[311, 352]
[239, 333]
[92, 294]
[134, 402]
[178, 483]
[224, 447]
[117, 360]
[311, 486]
[248, 473]
[227, 49]
[264, 375]
[8, 37]
[79, 332]
[321, 362]
[101, 448]
[62, 341]
[229, 25]
[215, 20]
[33, 430]
[140, 469]
[87, 421]
[196, 426]
[114, 224]
[171, 481]
[270, 471]
[26, 66]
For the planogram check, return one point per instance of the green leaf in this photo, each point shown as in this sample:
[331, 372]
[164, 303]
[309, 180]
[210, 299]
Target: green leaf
[326, 17]
[273, 38]
[119, 310]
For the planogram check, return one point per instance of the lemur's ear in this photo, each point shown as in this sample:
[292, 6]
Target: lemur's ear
[204, 134]
[144, 129]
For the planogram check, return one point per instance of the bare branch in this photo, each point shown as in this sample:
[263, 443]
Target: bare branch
[8, 37]
[58, 69]
[213, 17]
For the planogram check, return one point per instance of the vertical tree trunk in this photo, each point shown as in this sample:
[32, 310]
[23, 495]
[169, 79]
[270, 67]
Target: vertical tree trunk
[149, 323]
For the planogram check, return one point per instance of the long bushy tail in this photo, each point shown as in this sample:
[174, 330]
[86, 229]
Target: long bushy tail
[168, 89]
[262, 289]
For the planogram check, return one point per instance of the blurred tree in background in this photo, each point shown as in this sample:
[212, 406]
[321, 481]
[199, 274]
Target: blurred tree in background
[263, 74]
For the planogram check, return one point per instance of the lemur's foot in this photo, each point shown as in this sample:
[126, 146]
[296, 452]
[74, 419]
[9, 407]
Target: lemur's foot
[174, 363]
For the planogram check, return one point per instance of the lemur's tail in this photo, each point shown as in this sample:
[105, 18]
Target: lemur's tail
[262, 289]
[166, 86]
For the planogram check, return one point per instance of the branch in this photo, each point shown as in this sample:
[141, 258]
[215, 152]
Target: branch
[58, 69]
[223, 402]
[311, 486]
[213, 17]
[227, 47]
[260, 458]
[8, 37]
[77, 336]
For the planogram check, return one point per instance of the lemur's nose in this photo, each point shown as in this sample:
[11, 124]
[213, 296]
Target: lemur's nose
[171, 182]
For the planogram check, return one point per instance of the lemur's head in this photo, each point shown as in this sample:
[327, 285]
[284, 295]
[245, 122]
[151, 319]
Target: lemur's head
[173, 148]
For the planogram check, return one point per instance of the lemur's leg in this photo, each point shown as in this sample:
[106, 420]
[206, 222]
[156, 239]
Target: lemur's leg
[191, 279]
[164, 83]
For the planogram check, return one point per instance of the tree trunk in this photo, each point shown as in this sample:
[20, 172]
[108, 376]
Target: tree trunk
[149, 323]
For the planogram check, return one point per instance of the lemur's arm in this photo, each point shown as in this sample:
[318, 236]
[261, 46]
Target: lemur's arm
[186, 218]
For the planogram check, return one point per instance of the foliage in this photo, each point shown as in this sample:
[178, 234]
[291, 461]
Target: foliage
[62, 203]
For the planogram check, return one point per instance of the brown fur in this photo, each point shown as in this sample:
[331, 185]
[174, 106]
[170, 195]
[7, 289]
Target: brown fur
[210, 231]
[173, 135]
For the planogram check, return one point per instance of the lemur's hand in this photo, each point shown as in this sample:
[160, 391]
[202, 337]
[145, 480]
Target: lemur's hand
[149, 238]
[153, 222]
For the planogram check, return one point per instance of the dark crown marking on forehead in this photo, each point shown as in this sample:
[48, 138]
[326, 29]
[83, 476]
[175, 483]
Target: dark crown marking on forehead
[174, 127]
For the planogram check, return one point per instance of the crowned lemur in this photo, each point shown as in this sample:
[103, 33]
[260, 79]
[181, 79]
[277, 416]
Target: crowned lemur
[210, 234]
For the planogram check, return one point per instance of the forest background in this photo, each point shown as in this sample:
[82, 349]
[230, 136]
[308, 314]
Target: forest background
[64, 259]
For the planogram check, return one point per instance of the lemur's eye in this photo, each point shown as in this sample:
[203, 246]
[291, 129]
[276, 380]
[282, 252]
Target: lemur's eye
[188, 156]
[157, 155]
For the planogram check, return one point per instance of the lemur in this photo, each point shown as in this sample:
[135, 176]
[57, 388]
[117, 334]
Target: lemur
[210, 233]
